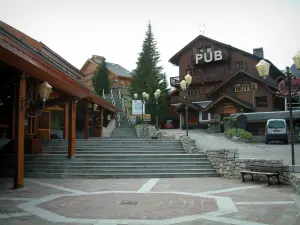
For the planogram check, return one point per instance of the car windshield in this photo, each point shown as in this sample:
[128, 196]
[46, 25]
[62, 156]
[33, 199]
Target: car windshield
[169, 122]
[276, 124]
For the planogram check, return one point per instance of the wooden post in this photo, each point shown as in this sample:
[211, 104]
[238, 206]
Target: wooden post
[15, 105]
[72, 129]
[101, 123]
[19, 136]
[66, 120]
[86, 119]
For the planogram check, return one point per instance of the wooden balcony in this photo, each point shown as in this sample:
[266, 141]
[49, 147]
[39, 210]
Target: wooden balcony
[174, 81]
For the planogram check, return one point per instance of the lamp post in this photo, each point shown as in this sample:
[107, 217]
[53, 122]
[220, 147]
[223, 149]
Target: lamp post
[284, 84]
[45, 90]
[156, 96]
[145, 97]
[184, 85]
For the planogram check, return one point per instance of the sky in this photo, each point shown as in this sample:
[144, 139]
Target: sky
[115, 29]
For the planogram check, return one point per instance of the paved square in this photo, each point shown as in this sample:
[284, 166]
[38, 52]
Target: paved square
[182, 201]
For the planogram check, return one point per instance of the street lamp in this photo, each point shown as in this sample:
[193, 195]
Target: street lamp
[45, 90]
[284, 84]
[184, 85]
[156, 96]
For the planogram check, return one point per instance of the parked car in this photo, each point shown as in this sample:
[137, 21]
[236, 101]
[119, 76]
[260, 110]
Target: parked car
[276, 130]
[169, 124]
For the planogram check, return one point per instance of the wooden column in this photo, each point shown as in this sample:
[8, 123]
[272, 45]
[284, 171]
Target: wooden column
[101, 123]
[15, 105]
[66, 120]
[86, 120]
[72, 129]
[19, 136]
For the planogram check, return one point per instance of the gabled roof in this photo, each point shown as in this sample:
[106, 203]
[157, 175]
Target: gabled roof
[175, 59]
[191, 105]
[270, 82]
[112, 67]
[118, 70]
[232, 98]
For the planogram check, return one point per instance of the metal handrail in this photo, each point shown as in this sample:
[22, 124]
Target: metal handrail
[114, 103]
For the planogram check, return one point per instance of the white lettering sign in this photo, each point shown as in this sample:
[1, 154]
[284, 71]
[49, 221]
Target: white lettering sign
[246, 87]
[208, 56]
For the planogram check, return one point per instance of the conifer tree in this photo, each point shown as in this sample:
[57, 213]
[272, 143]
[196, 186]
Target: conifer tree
[100, 79]
[149, 76]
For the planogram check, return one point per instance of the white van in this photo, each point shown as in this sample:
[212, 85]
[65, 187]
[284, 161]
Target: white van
[276, 130]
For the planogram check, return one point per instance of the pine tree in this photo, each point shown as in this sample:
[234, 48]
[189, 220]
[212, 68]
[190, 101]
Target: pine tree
[149, 76]
[100, 79]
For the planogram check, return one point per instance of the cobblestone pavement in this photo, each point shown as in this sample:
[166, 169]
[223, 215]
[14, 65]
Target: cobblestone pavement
[205, 140]
[181, 201]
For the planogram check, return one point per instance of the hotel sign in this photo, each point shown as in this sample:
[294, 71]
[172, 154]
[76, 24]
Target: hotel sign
[246, 87]
[209, 56]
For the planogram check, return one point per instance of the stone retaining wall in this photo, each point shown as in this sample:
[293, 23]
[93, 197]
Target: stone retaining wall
[149, 131]
[228, 164]
[188, 144]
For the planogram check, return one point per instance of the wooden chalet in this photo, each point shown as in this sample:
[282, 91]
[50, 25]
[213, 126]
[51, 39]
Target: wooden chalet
[225, 81]
[68, 109]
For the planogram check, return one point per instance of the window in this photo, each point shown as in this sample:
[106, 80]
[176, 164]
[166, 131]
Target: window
[239, 65]
[275, 124]
[261, 101]
[204, 116]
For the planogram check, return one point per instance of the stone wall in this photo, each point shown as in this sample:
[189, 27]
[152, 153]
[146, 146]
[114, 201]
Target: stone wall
[149, 131]
[295, 181]
[228, 164]
[188, 144]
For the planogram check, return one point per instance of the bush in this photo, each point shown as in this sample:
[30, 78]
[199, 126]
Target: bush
[238, 132]
[229, 123]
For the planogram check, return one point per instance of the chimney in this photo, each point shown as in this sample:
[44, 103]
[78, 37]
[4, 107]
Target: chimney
[98, 59]
[258, 52]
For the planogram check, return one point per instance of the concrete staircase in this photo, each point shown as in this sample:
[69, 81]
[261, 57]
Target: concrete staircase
[113, 158]
[117, 101]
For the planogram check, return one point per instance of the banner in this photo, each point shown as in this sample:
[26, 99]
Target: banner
[146, 117]
[138, 107]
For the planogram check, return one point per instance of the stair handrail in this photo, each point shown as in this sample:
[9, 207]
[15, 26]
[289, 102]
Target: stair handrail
[114, 103]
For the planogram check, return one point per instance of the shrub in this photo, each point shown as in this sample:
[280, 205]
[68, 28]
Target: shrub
[238, 132]
[229, 123]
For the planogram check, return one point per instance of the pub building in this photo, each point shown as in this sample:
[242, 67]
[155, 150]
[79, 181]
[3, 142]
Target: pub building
[42, 97]
[224, 81]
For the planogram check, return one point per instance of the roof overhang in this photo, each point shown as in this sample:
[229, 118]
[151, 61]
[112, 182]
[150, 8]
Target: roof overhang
[236, 100]
[27, 59]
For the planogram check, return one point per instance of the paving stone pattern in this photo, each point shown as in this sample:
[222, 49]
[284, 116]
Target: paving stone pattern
[183, 201]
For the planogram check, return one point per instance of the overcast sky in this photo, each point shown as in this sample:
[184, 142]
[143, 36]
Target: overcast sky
[115, 29]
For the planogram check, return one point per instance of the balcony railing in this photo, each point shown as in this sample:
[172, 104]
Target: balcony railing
[174, 81]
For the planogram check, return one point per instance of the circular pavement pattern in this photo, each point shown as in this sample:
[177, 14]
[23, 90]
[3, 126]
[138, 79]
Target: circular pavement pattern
[152, 206]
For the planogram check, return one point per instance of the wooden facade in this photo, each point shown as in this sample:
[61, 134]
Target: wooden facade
[24, 65]
[225, 80]
[119, 77]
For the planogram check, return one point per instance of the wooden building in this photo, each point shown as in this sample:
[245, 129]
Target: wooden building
[41, 93]
[225, 81]
[119, 77]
